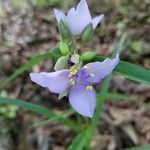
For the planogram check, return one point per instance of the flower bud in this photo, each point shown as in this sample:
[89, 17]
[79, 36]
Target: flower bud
[87, 34]
[87, 56]
[61, 63]
[63, 29]
[75, 58]
[64, 48]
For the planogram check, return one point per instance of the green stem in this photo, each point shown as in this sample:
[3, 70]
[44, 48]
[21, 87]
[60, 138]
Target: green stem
[105, 85]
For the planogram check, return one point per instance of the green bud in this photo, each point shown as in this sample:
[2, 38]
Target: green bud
[63, 29]
[75, 58]
[64, 48]
[87, 33]
[87, 56]
[61, 63]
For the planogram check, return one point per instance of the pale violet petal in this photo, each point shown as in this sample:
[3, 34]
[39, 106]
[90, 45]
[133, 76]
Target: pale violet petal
[82, 100]
[78, 19]
[59, 15]
[100, 70]
[96, 20]
[83, 12]
[56, 82]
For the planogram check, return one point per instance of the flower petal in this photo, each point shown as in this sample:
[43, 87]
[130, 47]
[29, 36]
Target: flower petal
[96, 20]
[78, 19]
[82, 100]
[59, 15]
[101, 69]
[83, 12]
[56, 82]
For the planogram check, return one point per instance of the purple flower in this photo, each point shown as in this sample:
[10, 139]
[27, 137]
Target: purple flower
[82, 96]
[78, 19]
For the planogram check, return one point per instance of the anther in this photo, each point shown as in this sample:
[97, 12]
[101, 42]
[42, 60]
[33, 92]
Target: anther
[71, 81]
[73, 72]
[92, 74]
[89, 87]
[86, 67]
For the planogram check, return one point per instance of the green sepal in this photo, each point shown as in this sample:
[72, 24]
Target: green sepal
[63, 94]
[75, 58]
[87, 33]
[64, 48]
[87, 56]
[63, 29]
[61, 63]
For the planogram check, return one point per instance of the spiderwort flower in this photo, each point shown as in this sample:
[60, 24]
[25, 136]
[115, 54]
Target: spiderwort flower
[78, 19]
[82, 96]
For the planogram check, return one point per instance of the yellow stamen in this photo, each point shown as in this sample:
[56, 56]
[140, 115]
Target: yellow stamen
[89, 87]
[71, 81]
[86, 67]
[73, 72]
[70, 74]
[92, 74]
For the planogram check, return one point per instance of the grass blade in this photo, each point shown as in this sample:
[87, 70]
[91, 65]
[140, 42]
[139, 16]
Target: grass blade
[146, 147]
[39, 110]
[54, 118]
[131, 71]
[77, 143]
[35, 60]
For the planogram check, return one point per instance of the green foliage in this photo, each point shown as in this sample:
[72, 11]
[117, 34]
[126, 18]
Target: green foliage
[46, 3]
[55, 53]
[75, 58]
[39, 110]
[61, 63]
[63, 29]
[87, 34]
[78, 142]
[136, 46]
[88, 56]
[146, 147]
[54, 118]
[131, 71]
[8, 112]
[64, 48]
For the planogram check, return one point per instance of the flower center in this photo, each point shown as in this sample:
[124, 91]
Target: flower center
[79, 76]
[89, 87]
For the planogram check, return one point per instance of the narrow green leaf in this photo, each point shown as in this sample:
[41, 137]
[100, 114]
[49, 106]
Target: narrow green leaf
[131, 71]
[54, 118]
[78, 142]
[39, 110]
[114, 96]
[29, 64]
[146, 147]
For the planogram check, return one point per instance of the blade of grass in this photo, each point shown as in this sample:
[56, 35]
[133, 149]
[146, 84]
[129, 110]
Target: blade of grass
[39, 110]
[130, 71]
[77, 142]
[144, 147]
[35, 60]
[54, 118]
